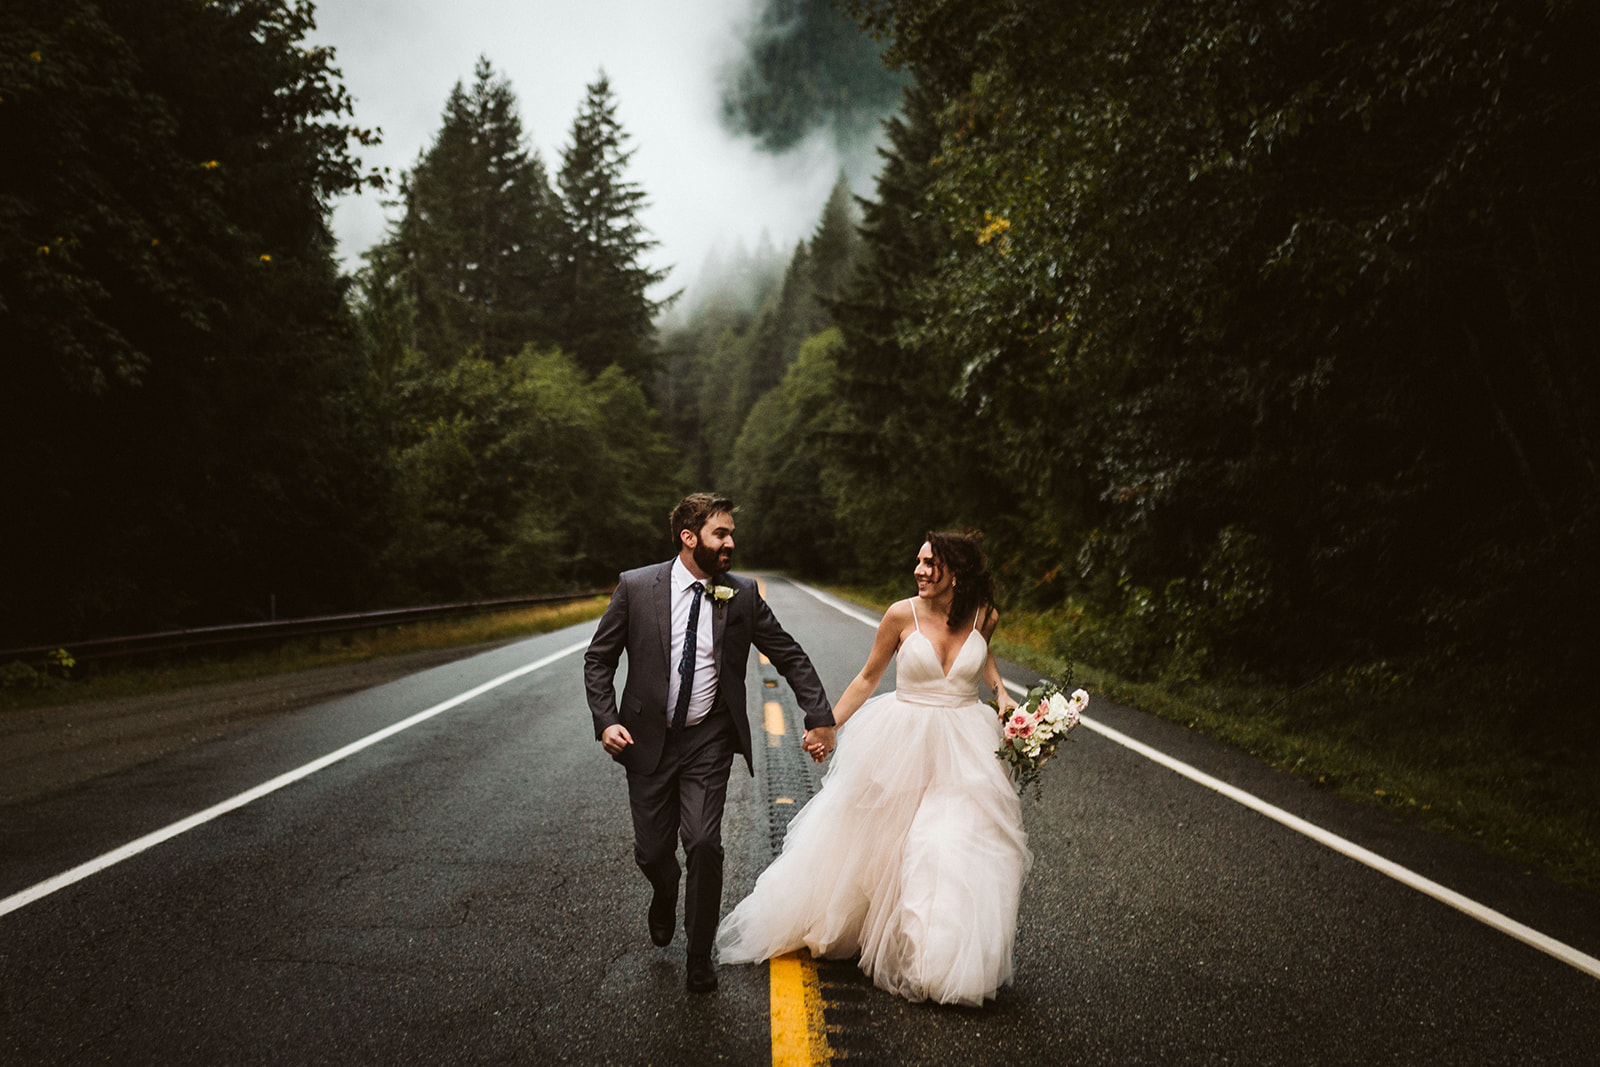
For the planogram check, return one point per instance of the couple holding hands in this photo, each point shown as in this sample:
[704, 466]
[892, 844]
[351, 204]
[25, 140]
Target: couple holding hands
[912, 854]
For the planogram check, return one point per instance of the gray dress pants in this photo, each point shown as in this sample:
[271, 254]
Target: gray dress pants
[683, 798]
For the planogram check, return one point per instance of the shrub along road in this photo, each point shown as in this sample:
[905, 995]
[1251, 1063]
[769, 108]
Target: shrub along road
[463, 891]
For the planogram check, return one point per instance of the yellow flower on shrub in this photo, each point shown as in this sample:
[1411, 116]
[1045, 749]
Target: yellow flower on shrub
[994, 226]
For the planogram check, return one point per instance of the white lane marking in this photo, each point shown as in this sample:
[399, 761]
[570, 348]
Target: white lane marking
[133, 848]
[1484, 914]
[837, 605]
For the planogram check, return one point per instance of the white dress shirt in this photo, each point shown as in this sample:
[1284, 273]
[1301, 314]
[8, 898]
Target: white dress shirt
[704, 691]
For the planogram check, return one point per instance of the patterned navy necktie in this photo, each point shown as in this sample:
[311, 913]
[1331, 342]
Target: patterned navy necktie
[680, 713]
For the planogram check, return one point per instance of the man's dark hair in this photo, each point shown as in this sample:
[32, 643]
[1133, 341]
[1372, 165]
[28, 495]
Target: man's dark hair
[693, 511]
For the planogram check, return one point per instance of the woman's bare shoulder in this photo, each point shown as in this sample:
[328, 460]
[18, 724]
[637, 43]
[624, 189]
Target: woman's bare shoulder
[899, 612]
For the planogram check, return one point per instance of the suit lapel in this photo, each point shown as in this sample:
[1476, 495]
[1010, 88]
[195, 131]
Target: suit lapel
[661, 606]
[719, 623]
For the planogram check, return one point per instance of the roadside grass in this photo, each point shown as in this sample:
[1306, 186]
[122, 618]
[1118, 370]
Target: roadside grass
[110, 682]
[1420, 751]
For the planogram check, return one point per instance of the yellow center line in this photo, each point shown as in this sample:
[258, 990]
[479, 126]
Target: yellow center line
[799, 1033]
[772, 713]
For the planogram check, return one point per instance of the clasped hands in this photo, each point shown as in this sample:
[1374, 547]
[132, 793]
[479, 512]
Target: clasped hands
[818, 742]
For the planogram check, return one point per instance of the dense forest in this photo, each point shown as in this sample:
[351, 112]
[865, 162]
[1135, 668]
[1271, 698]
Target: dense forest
[204, 422]
[1251, 335]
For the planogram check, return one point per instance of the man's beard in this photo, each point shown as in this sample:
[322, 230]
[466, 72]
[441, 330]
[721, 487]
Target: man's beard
[708, 560]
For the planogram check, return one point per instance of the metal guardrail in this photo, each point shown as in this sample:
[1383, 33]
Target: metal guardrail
[207, 636]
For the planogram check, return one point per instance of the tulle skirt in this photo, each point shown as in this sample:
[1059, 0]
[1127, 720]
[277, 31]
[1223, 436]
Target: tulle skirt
[912, 854]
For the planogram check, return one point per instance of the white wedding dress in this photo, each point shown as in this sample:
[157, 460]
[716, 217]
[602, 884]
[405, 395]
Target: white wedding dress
[913, 852]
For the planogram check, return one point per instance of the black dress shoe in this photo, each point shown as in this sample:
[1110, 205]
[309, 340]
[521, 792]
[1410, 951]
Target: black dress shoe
[702, 976]
[663, 917]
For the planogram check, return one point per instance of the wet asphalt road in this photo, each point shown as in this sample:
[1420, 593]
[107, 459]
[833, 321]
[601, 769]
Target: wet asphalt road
[463, 892]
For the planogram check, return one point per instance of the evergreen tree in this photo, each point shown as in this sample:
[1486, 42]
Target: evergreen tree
[385, 312]
[781, 328]
[735, 364]
[607, 318]
[900, 415]
[779, 468]
[1275, 313]
[477, 242]
[835, 247]
[186, 428]
[729, 294]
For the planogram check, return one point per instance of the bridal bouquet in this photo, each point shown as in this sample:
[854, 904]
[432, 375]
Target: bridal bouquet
[1033, 729]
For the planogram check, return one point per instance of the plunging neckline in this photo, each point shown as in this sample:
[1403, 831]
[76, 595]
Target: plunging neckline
[931, 648]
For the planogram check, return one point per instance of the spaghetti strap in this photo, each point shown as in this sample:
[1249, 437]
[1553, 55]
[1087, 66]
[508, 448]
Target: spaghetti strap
[914, 620]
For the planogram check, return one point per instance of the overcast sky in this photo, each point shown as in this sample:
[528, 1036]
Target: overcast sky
[706, 188]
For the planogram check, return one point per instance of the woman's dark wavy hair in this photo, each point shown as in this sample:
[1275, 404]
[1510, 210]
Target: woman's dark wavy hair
[957, 551]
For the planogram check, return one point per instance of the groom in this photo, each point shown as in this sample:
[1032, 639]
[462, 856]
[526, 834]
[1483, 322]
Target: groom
[687, 626]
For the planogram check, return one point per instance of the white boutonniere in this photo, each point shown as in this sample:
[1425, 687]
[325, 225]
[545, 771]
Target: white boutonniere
[721, 594]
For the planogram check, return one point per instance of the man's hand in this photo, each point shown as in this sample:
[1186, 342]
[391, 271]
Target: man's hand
[818, 742]
[615, 738]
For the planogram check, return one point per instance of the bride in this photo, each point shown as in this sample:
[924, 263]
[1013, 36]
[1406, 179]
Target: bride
[913, 853]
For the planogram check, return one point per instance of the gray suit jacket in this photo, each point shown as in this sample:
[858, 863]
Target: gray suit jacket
[638, 621]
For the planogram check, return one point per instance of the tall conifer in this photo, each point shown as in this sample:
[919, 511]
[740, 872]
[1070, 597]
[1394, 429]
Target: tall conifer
[607, 318]
[834, 247]
[479, 233]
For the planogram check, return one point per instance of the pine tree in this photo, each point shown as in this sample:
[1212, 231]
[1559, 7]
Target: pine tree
[480, 231]
[899, 403]
[607, 318]
[835, 246]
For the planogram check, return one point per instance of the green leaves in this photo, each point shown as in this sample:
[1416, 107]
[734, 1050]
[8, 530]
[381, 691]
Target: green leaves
[510, 325]
[1215, 275]
[523, 475]
[185, 413]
